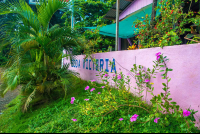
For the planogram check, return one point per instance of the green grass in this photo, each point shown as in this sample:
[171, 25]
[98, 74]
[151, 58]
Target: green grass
[55, 117]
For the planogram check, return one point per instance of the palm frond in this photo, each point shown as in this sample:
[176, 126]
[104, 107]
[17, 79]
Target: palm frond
[29, 44]
[27, 86]
[28, 100]
[10, 79]
[46, 11]
[56, 26]
[24, 11]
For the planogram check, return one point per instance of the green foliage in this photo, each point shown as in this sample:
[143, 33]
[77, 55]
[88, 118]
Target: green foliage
[167, 27]
[4, 55]
[194, 36]
[94, 42]
[91, 13]
[36, 53]
[56, 116]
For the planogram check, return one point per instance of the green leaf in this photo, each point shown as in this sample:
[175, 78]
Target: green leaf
[177, 107]
[152, 94]
[170, 69]
[161, 70]
[162, 95]
[164, 89]
[157, 114]
[161, 65]
[182, 125]
[168, 94]
[97, 75]
[174, 103]
[164, 84]
[152, 88]
[163, 77]
[154, 77]
[169, 99]
[163, 74]
[160, 108]
[141, 91]
[189, 35]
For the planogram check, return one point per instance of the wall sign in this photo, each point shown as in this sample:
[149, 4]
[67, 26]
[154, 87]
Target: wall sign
[100, 63]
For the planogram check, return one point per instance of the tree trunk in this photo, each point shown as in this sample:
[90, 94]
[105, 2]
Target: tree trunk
[153, 14]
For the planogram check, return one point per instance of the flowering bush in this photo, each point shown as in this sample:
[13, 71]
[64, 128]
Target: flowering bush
[167, 28]
[132, 47]
[160, 103]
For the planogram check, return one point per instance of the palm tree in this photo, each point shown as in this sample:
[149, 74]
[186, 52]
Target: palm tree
[36, 51]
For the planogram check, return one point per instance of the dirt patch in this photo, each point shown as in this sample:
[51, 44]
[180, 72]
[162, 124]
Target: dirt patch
[8, 97]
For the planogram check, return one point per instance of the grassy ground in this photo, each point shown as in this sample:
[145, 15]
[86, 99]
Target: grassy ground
[56, 117]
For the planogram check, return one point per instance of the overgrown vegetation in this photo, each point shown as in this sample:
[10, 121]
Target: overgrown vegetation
[57, 116]
[36, 52]
[35, 64]
[4, 55]
[90, 14]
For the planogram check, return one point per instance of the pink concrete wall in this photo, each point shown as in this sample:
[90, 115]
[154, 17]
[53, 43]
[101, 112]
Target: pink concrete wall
[185, 77]
[134, 6]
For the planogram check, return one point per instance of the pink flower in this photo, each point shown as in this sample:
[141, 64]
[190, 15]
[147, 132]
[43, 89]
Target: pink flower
[119, 77]
[72, 102]
[134, 117]
[102, 86]
[106, 75]
[86, 99]
[86, 88]
[186, 113]
[159, 53]
[99, 92]
[158, 57]
[92, 80]
[72, 98]
[113, 75]
[146, 80]
[74, 119]
[138, 74]
[156, 120]
[92, 89]
[121, 119]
